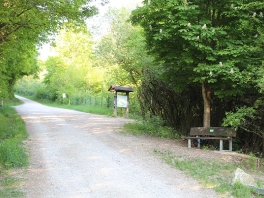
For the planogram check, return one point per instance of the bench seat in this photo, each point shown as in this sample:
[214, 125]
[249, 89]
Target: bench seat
[212, 133]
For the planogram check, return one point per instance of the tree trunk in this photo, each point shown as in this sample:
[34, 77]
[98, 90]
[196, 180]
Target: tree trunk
[207, 105]
[11, 84]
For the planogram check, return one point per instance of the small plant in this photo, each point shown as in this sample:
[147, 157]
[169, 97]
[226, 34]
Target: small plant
[206, 148]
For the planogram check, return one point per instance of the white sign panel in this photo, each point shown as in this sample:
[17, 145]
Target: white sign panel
[63, 95]
[121, 101]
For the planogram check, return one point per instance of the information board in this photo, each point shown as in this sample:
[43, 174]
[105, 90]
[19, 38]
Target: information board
[121, 101]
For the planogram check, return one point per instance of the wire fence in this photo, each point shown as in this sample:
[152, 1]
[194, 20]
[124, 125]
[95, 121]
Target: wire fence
[100, 101]
[106, 101]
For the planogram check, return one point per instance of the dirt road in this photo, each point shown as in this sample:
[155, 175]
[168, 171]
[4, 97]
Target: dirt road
[81, 155]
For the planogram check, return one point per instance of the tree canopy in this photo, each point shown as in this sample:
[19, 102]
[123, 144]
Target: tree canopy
[24, 25]
[73, 67]
[124, 45]
[214, 43]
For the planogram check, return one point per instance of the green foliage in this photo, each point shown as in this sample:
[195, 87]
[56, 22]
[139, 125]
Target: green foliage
[80, 71]
[235, 119]
[123, 50]
[73, 69]
[24, 25]
[28, 85]
[248, 120]
[217, 44]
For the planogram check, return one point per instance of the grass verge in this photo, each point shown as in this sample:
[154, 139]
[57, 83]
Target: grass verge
[82, 108]
[153, 127]
[9, 186]
[213, 174]
[13, 155]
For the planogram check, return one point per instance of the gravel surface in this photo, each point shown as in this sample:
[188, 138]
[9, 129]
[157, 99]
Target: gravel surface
[82, 155]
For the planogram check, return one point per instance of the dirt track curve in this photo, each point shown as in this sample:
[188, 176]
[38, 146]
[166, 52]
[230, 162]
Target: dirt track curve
[82, 155]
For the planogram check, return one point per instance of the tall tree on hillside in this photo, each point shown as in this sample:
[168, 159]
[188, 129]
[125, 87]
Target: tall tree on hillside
[213, 43]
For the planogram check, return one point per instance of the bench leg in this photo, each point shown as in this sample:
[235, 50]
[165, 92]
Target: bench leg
[230, 145]
[189, 143]
[221, 145]
[199, 143]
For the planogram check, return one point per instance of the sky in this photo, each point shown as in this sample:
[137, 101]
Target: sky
[45, 49]
[125, 3]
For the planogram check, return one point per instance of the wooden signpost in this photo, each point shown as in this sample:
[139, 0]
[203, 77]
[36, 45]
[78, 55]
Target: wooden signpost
[121, 100]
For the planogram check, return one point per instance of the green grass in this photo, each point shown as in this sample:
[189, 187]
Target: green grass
[212, 173]
[12, 152]
[82, 108]
[152, 127]
[11, 193]
[12, 102]
[8, 186]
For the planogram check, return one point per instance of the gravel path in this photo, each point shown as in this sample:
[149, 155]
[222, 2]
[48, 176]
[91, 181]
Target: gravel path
[81, 155]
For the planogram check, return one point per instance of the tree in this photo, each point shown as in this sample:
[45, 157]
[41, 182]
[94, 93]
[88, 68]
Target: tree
[73, 69]
[40, 17]
[26, 24]
[123, 49]
[18, 60]
[213, 43]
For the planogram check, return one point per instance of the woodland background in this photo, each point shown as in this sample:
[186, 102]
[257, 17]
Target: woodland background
[191, 63]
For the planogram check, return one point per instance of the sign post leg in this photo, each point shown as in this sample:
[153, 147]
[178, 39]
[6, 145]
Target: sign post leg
[127, 108]
[115, 104]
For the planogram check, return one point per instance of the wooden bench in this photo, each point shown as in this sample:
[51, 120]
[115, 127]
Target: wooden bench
[212, 133]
